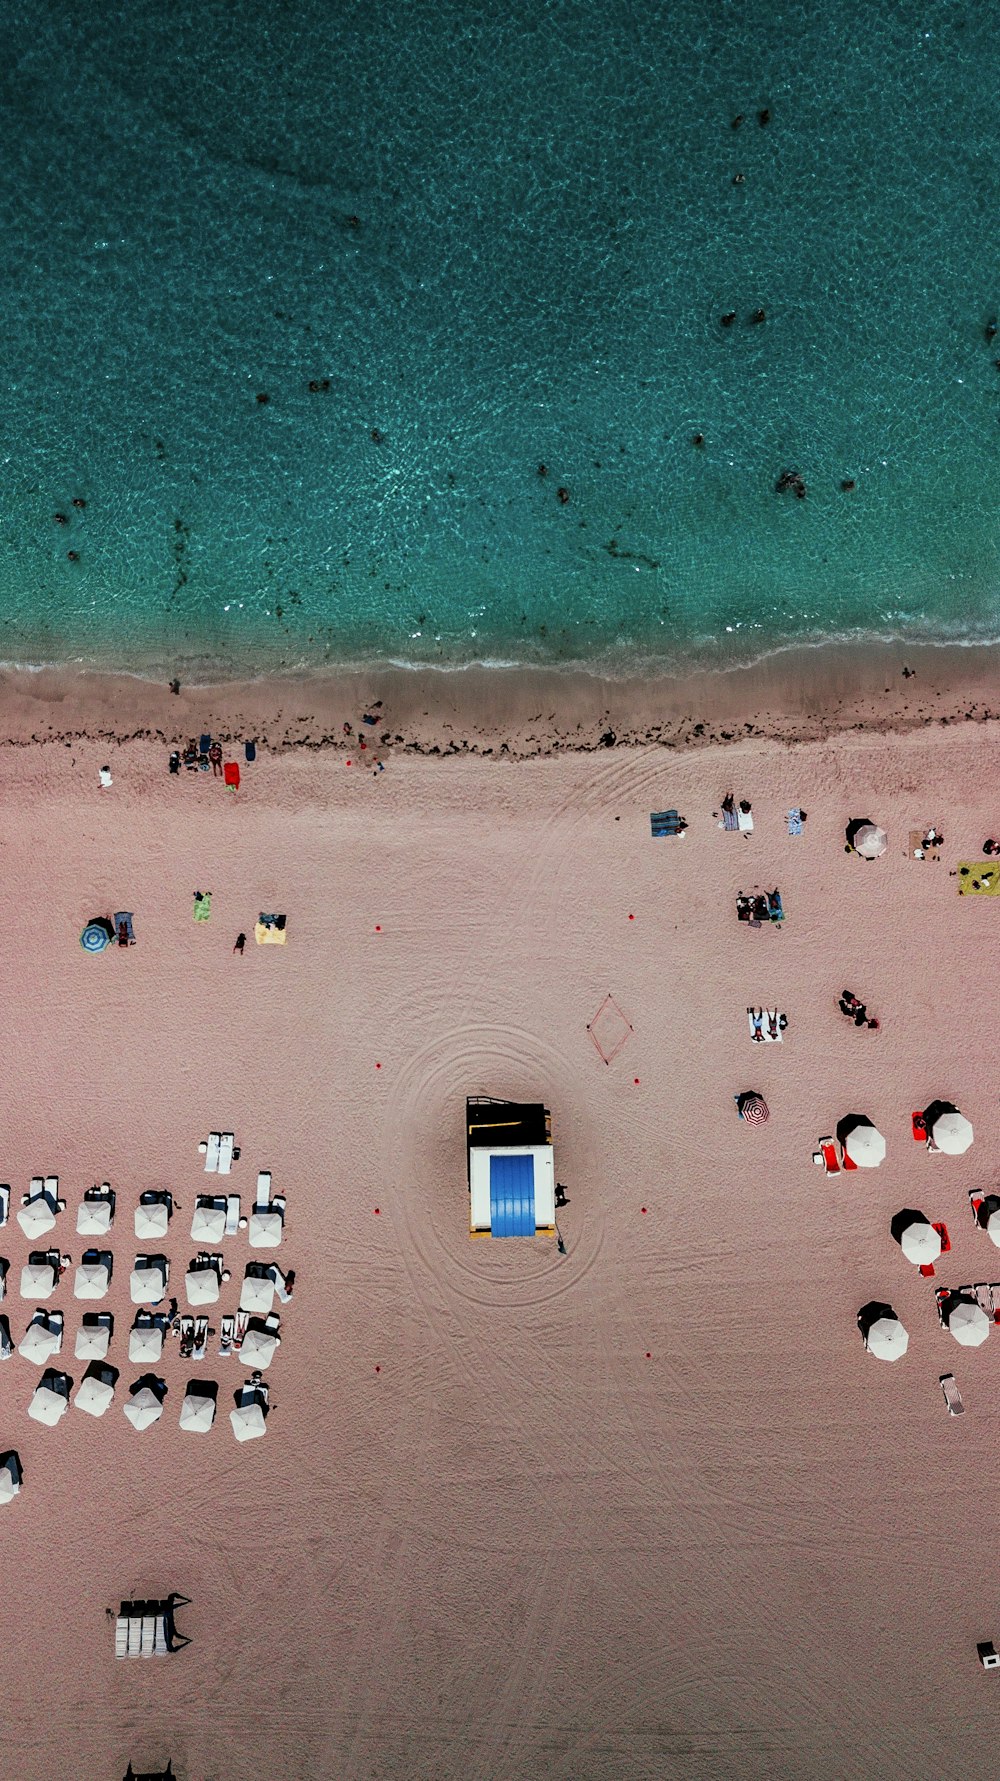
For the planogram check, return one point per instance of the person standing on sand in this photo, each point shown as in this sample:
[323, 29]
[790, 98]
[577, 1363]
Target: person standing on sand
[215, 756]
[241, 941]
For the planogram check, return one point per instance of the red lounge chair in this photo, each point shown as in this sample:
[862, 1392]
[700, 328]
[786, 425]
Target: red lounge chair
[975, 1201]
[829, 1153]
[847, 1162]
[919, 1128]
[942, 1231]
[231, 774]
[927, 1270]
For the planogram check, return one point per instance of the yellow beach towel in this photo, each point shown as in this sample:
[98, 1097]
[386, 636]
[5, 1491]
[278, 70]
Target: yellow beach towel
[979, 878]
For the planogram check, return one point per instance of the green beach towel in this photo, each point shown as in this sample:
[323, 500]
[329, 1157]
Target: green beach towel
[203, 906]
[979, 878]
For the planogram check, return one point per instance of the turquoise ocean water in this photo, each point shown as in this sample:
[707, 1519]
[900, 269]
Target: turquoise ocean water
[494, 237]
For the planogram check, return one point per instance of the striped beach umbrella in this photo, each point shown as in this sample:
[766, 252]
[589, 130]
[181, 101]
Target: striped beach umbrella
[752, 1107]
[95, 937]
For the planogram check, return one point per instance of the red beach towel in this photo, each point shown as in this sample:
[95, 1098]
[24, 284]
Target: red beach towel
[231, 773]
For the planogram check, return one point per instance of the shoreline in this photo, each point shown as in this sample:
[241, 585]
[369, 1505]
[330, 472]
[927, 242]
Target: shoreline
[795, 695]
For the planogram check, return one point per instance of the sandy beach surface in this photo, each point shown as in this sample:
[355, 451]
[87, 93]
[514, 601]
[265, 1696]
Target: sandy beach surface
[646, 1510]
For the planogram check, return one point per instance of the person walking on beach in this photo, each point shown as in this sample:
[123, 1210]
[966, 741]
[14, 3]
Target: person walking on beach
[241, 941]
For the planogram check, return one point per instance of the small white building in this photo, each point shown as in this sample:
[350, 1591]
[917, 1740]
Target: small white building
[512, 1178]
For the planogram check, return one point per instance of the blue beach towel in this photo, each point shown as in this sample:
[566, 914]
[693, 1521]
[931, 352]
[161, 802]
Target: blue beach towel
[795, 822]
[250, 750]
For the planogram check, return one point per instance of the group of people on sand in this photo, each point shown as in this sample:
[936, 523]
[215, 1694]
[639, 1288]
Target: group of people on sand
[855, 1010]
[371, 717]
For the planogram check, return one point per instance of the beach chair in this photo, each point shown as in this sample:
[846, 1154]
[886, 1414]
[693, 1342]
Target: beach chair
[187, 1337]
[918, 1128]
[225, 1153]
[232, 1214]
[227, 1330]
[212, 1153]
[200, 1342]
[4, 1202]
[995, 1293]
[828, 1151]
[263, 1199]
[123, 923]
[983, 1294]
[952, 1395]
[942, 1231]
[665, 822]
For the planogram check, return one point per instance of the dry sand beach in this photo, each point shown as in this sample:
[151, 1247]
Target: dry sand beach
[645, 1510]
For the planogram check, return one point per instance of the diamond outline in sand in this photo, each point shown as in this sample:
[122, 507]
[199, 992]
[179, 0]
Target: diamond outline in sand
[616, 1026]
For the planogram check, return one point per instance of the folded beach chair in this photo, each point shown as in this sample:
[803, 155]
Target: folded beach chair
[212, 1153]
[225, 1152]
[665, 822]
[828, 1151]
[795, 821]
[952, 1395]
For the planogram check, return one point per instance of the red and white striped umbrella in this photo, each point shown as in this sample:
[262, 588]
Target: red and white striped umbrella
[753, 1108]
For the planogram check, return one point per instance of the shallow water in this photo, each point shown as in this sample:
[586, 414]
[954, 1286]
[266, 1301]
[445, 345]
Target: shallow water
[502, 238]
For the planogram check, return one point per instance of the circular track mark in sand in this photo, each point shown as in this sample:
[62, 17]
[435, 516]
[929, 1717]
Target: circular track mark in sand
[430, 1204]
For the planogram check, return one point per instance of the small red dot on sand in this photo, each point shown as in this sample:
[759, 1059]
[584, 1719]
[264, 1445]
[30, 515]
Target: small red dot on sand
[378, 1210]
[378, 930]
[648, 1355]
[642, 1209]
[378, 1369]
[378, 1066]
[631, 918]
[350, 763]
[635, 1079]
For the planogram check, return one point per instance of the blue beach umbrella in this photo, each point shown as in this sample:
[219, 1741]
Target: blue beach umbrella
[95, 937]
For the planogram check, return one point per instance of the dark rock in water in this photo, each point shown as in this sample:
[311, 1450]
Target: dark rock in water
[562, 495]
[727, 320]
[848, 484]
[763, 117]
[737, 121]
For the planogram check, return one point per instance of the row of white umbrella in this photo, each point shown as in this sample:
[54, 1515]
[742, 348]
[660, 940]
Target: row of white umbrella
[152, 1220]
[145, 1407]
[42, 1340]
[886, 1337]
[948, 1130]
[148, 1282]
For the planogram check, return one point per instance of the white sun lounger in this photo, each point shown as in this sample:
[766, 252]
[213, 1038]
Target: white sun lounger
[952, 1395]
[984, 1297]
[232, 1214]
[4, 1202]
[226, 1146]
[37, 1186]
[263, 1199]
[212, 1153]
[52, 1186]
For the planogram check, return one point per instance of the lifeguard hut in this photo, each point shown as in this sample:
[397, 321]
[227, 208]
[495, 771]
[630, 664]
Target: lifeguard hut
[512, 1178]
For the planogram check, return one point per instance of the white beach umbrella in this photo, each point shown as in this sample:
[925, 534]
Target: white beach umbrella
[248, 1422]
[95, 1396]
[39, 1343]
[208, 1224]
[10, 1483]
[145, 1344]
[38, 1280]
[93, 1218]
[952, 1133]
[887, 1338]
[257, 1296]
[91, 1280]
[92, 1341]
[147, 1286]
[37, 1217]
[265, 1230]
[870, 841]
[152, 1221]
[202, 1286]
[197, 1413]
[258, 1348]
[47, 1406]
[993, 1226]
[969, 1323]
[865, 1146]
[143, 1408]
[920, 1243]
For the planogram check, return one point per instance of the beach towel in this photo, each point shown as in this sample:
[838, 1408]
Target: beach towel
[744, 822]
[730, 820]
[978, 878]
[917, 850]
[231, 774]
[665, 822]
[202, 905]
[250, 750]
[204, 744]
[795, 821]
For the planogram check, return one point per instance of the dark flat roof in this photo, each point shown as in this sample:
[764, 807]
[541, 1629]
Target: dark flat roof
[495, 1123]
